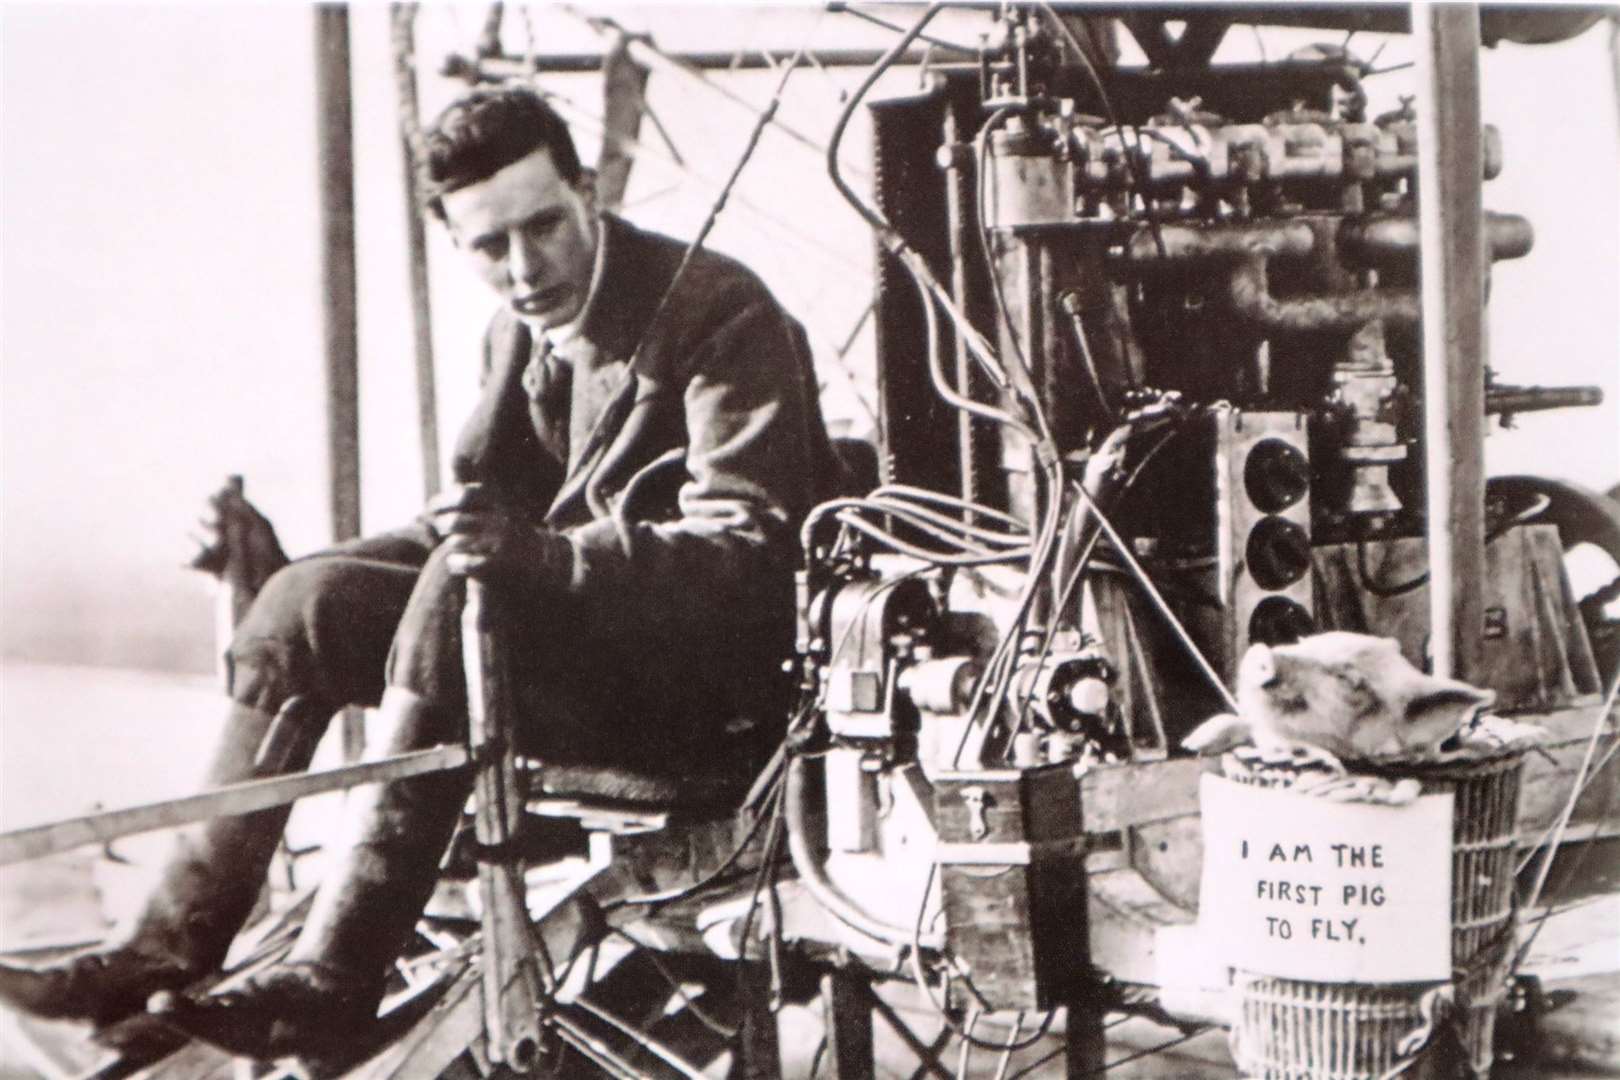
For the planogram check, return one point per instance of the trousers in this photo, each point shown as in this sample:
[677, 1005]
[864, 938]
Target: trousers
[340, 626]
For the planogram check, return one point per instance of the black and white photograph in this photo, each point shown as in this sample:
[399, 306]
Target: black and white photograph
[774, 541]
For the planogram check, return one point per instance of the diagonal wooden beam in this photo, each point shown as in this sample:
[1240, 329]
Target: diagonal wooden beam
[244, 798]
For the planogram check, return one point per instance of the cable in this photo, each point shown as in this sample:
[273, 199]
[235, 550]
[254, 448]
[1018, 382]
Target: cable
[902, 251]
[811, 874]
[1564, 815]
[924, 495]
[931, 556]
[1080, 567]
[914, 959]
[851, 9]
[1137, 191]
[671, 895]
[650, 954]
[1383, 591]
[1158, 600]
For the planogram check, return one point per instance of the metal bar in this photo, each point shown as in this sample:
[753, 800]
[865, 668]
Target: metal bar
[403, 25]
[244, 798]
[335, 139]
[1450, 154]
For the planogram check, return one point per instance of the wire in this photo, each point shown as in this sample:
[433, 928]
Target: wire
[1383, 591]
[1551, 841]
[1137, 191]
[1080, 567]
[650, 954]
[939, 558]
[850, 9]
[981, 154]
[908, 257]
[914, 958]
[1158, 600]
[1006, 1055]
[682, 892]
[925, 495]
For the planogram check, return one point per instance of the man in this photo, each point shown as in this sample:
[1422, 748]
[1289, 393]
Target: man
[647, 441]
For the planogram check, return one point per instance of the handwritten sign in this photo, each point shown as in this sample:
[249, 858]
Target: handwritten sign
[1305, 888]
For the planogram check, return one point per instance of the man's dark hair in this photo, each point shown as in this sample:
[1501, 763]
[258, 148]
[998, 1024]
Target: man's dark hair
[484, 131]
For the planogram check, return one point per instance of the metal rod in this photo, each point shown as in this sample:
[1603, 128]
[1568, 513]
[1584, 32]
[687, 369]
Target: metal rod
[246, 797]
[335, 138]
[1446, 41]
[403, 24]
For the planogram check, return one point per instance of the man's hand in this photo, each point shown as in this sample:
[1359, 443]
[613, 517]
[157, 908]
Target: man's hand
[490, 543]
[231, 535]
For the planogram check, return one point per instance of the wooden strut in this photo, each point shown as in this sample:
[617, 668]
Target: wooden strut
[1446, 38]
[243, 798]
[335, 145]
[402, 22]
[512, 991]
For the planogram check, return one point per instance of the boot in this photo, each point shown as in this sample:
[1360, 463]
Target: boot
[206, 892]
[313, 1004]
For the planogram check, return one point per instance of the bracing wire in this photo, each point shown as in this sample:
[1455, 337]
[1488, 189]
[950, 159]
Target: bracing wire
[1158, 601]
[1599, 723]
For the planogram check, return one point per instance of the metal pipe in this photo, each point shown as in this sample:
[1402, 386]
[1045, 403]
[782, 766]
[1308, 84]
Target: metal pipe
[335, 143]
[1200, 243]
[1250, 298]
[1382, 240]
[1446, 39]
[1376, 240]
[811, 873]
[1518, 399]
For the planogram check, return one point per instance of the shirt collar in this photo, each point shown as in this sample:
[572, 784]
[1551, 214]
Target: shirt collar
[560, 338]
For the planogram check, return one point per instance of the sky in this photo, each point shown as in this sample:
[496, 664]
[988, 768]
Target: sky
[159, 286]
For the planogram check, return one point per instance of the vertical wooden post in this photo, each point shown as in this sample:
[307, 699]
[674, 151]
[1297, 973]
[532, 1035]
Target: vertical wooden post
[403, 24]
[1450, 181]
[759, 1053]
[1083, 1039]
[849, 1027]
[335, 137]
[510, 979]
[334, 126]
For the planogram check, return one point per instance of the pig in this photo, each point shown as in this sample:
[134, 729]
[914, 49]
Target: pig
[1339, 695]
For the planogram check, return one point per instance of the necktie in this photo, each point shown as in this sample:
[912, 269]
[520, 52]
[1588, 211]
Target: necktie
[549, 381]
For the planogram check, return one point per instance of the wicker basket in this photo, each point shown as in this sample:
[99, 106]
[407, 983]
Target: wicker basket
[1289, 1029]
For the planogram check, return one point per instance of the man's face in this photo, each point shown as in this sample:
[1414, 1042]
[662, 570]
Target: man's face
[531, 235]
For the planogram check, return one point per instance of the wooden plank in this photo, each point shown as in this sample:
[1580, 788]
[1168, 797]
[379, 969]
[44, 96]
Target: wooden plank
[243, 798]
[1113, 797]
[455, 1023]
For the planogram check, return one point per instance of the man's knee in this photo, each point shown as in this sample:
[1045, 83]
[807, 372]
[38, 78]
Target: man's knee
[315, 628]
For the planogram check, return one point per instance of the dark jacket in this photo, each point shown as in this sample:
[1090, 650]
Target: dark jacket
[696, 446]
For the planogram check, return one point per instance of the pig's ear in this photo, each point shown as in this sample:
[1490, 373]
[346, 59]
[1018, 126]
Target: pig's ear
[1217, 735]
[1446, 704]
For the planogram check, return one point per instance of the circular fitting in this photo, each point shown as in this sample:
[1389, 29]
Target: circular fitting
[1277, 620]
[1278, 553]
[1276, 475]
